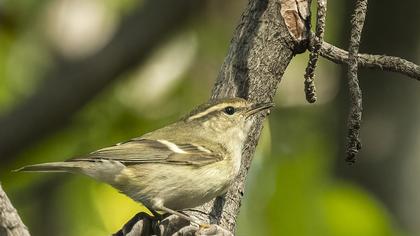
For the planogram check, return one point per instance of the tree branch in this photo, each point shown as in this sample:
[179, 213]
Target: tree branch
[72, 84]
[321, 15]
[355, 116]
[372, 61]
[10, 222]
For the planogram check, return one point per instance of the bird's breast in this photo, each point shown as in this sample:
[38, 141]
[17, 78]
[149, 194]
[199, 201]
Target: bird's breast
[176, 186]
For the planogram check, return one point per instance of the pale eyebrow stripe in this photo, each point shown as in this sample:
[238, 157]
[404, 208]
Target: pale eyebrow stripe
[172, 146]
[205, 112]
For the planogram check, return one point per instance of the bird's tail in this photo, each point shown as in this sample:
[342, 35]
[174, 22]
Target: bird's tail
[52, 167]
[103, 171]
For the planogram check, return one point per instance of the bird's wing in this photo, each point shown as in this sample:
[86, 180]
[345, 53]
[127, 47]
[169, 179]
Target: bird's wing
[139, 151]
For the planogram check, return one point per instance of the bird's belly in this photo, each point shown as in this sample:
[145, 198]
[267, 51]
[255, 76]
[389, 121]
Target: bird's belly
[176, 187]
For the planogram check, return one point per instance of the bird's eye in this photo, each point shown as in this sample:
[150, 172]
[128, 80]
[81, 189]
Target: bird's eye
[229, 110]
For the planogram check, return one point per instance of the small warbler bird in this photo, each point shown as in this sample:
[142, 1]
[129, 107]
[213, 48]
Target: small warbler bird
[177, 167]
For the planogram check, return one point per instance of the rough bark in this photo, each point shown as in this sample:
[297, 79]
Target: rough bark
[310, 90]
[355, 116]
[260, 51]
[10, 222]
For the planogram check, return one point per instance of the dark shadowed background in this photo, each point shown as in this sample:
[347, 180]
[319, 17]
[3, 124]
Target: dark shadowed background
[78, 75]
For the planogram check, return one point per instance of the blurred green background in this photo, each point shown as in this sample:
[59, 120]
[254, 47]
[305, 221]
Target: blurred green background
[298, 184]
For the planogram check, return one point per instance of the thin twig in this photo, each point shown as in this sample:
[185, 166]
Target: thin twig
[310, 90]
[372, 61]
[355, 116]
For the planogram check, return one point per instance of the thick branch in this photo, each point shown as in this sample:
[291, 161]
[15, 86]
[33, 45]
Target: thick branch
[67, 88]
[261, 50]
[379, 62]
[355, 116]
[10, 222]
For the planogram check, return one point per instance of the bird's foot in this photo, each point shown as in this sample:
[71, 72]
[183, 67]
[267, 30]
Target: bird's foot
[144, 224]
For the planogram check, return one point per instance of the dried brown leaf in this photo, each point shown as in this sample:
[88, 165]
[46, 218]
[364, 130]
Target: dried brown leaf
[296, 16]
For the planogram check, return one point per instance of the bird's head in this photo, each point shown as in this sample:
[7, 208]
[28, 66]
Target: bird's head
[226, 116]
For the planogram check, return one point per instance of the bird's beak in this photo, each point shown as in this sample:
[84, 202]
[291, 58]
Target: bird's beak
[256, 108]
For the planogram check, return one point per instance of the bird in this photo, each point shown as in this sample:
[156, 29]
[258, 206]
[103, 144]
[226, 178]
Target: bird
[180, 166]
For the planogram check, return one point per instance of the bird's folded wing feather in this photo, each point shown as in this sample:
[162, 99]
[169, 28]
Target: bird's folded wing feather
[138, 151]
